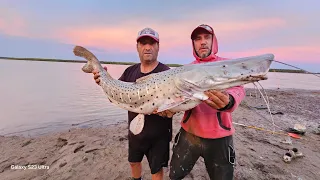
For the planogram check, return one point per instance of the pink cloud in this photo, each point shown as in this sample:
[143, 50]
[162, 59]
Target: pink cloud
[172, 35]
[231, 32]
[11, 22]
[101, 37]
[251, 25]
[307, 54]
[121, 37]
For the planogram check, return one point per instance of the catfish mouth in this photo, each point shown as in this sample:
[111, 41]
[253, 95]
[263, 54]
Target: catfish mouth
[254, 78]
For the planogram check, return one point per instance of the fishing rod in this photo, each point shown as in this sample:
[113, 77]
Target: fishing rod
[297, 68]
[259, 128]
[269, 131]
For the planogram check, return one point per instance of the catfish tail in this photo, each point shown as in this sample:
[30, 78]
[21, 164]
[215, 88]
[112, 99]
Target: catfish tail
[93, 61]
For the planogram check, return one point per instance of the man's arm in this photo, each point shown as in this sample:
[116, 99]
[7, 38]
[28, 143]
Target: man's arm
[226, 101]
[238, 93]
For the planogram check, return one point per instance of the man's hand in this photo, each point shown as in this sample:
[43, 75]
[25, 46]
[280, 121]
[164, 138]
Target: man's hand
[165, 113]
[96, 75]
[217, 99]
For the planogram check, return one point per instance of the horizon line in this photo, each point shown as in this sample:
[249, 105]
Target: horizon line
[131, 63]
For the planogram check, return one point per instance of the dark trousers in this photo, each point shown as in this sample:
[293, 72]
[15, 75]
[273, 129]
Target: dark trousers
[218, 155]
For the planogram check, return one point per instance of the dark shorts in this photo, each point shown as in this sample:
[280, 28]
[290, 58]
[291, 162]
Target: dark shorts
[156, 150]
[218, 155]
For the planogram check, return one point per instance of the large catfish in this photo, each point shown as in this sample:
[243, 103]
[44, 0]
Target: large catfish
[177, 89]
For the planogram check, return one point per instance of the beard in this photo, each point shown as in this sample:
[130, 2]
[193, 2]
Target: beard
[204, 55]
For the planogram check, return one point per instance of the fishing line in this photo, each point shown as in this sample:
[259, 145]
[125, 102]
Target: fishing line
[264, 92]
[254, 110]
[267, 99]
[256, 93]
[267, 107]
[268, 102]
[297, 68]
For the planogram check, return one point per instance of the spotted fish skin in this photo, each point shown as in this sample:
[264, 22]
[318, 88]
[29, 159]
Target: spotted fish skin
[180, 88]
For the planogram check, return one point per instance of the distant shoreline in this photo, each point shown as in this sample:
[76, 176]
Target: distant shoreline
[76, 61]
[127, 63]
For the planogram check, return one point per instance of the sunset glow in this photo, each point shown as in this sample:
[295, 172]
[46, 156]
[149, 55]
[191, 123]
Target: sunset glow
[112, 29]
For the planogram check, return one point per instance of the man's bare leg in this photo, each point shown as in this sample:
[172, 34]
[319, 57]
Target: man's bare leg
[158, 175]
[136, 169]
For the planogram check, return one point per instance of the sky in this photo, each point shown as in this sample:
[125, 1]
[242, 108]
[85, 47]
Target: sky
[289, 29]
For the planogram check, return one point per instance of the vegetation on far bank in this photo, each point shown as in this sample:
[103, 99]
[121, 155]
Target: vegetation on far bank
[127, 63]
[76, 61]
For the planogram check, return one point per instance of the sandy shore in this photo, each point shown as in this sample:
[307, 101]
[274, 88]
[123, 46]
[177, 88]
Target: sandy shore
[101, 153]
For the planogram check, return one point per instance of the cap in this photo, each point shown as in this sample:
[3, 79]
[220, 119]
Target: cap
[148, 32]
[202, 27]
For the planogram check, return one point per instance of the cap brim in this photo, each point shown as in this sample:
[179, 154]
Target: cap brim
[198, 29]
[147, 36]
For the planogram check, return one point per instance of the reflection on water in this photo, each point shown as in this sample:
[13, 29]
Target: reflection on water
[48, 96]
[42, 97]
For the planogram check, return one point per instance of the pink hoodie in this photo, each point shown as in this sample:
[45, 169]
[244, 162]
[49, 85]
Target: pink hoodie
[206, 122]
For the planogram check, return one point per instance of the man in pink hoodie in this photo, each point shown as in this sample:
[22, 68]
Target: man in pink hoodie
[207, 130]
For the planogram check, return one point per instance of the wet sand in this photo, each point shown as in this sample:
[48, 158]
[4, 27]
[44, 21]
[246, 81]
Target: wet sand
[101, 153]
